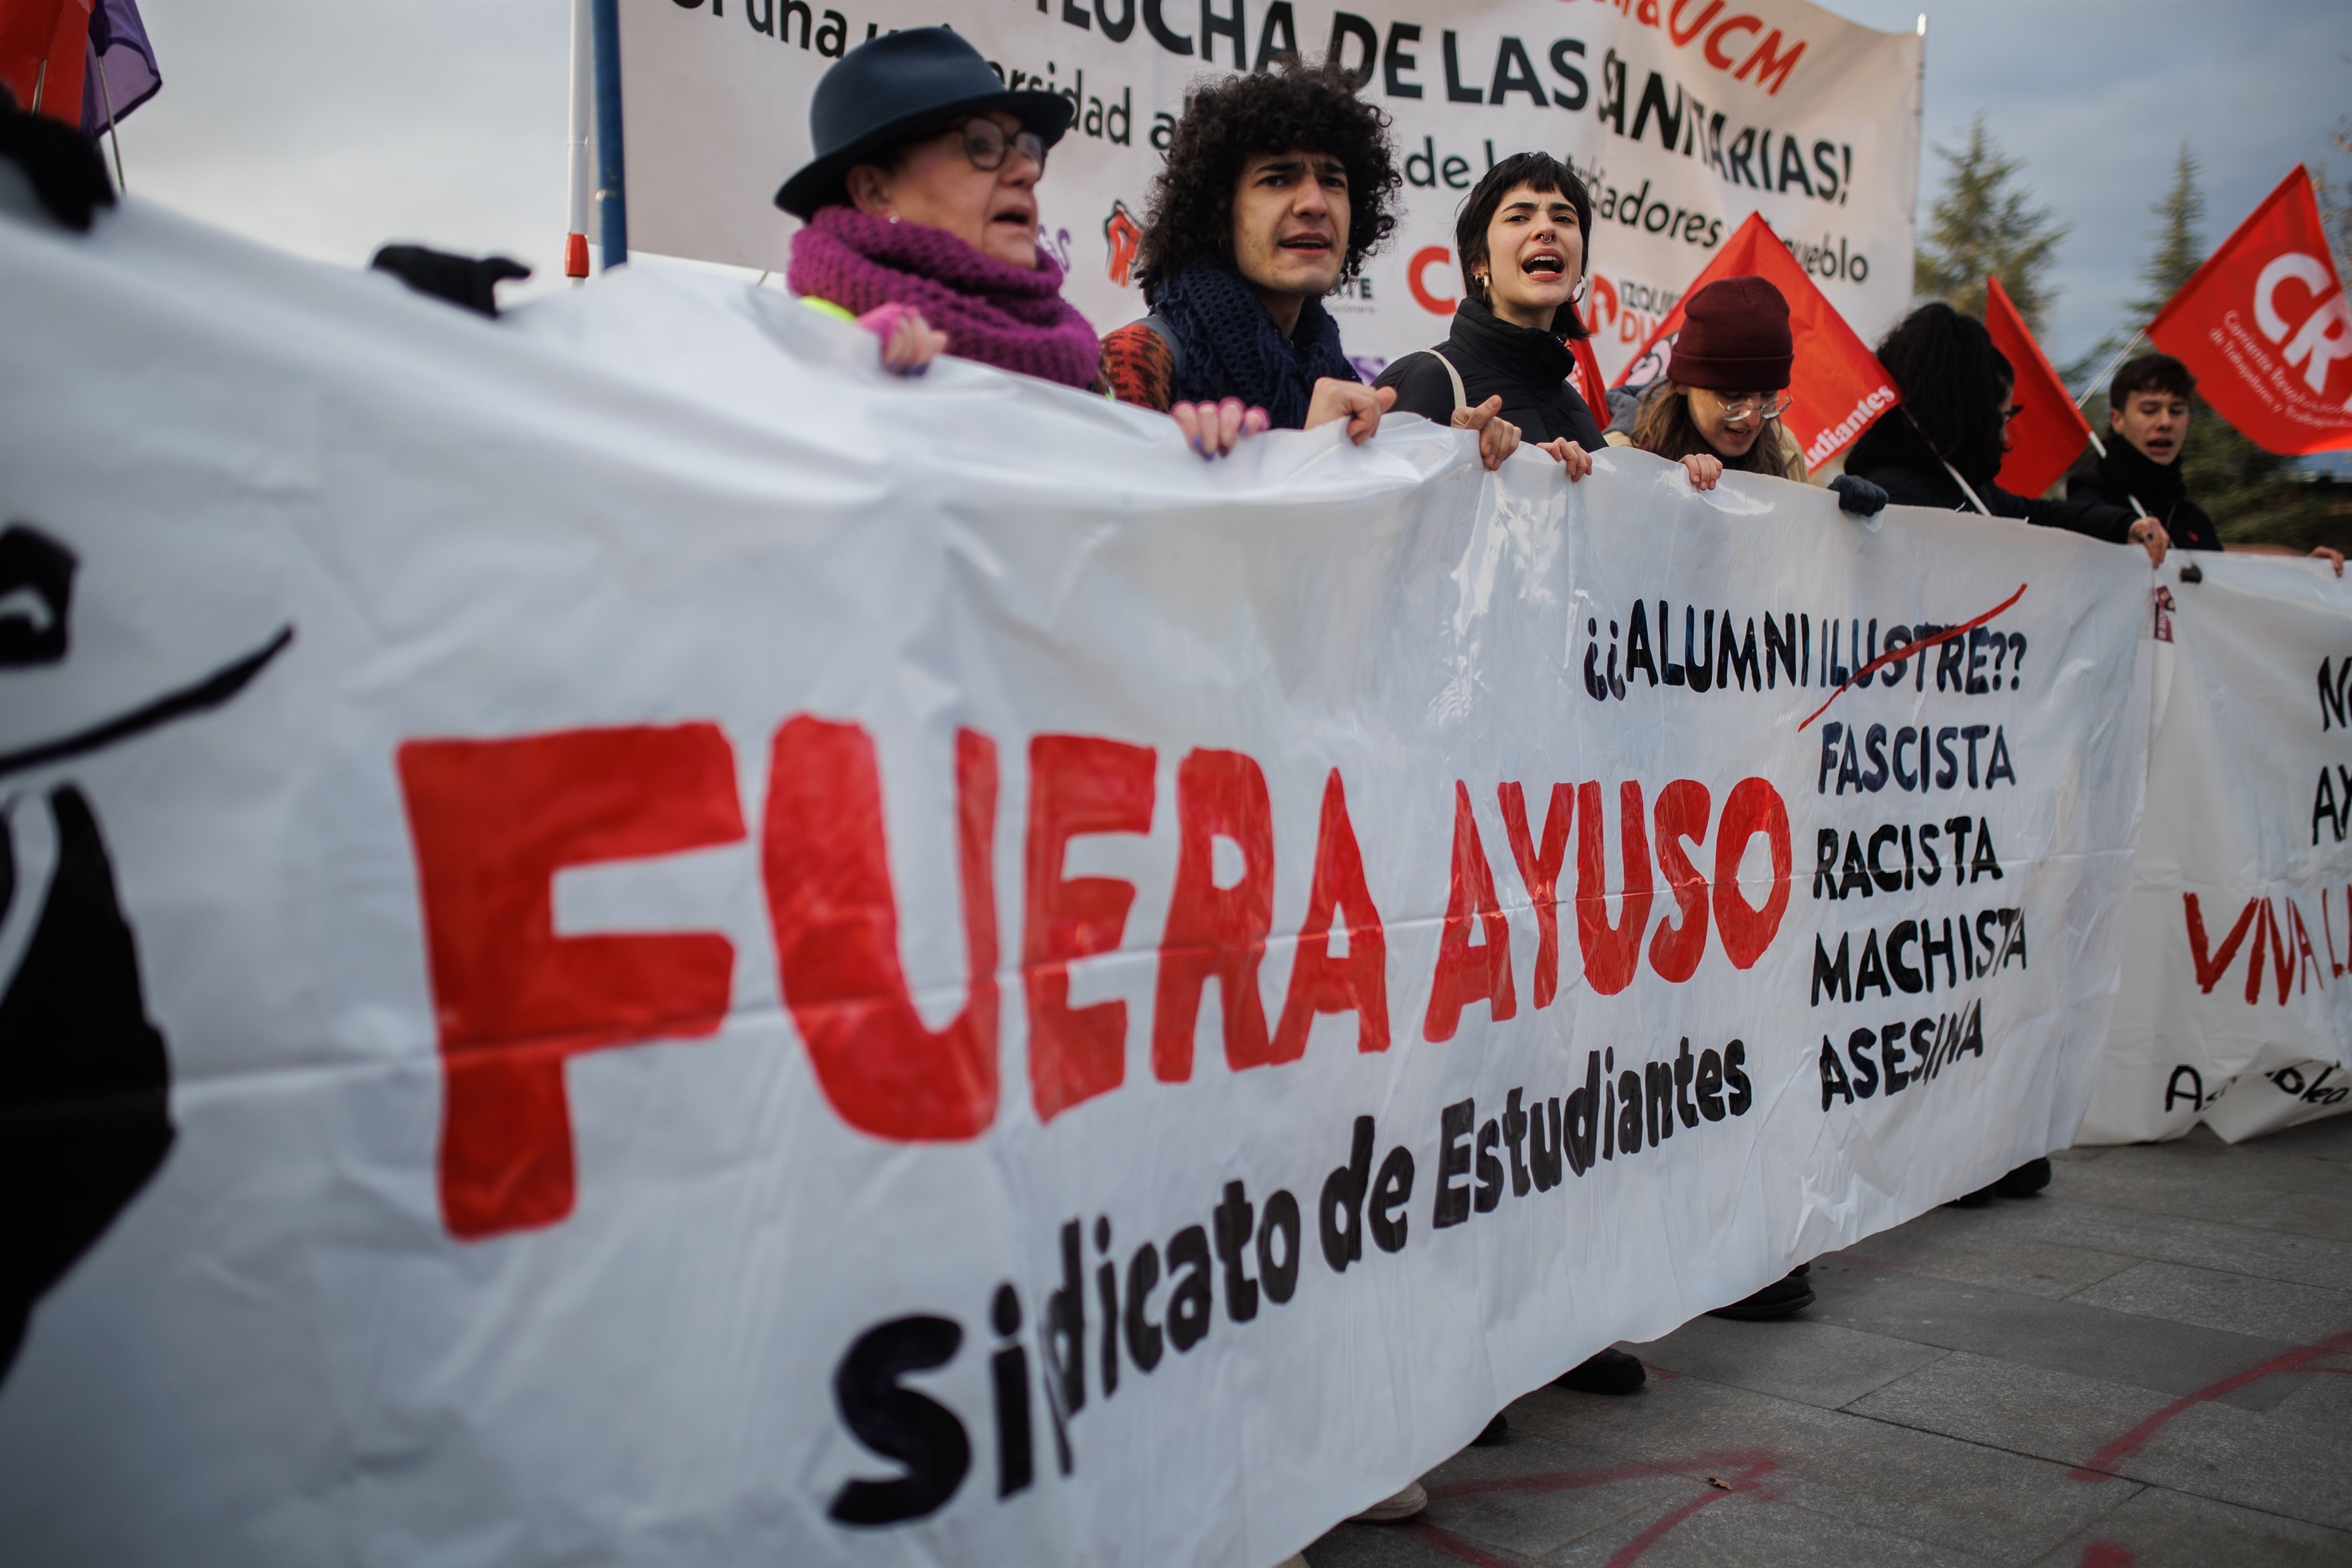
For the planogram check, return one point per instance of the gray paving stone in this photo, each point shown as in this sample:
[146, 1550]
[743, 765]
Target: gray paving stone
[2327, 1140]
[2004, 1507]
[2163, 1529]
[1533, 1496]
[1972, 1247]
[2305, 1214]
[2278, 1461]
[2188, 1187]
[2130, 1349]
[1814, 1362]
[2268, 1308]
[1752, 1528]
[2061, 1417]
[2204, 1244]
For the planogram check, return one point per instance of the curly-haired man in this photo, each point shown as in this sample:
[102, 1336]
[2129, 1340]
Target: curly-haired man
[1278, 186]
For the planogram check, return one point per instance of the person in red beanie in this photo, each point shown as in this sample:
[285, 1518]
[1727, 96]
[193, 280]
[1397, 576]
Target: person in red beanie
[1720, 403]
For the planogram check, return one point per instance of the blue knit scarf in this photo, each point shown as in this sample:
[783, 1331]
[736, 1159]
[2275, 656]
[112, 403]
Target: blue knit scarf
[1231, 348]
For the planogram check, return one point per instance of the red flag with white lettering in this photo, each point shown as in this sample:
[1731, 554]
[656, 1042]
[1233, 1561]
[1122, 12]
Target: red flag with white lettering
[2265, 327]
[2049, 431]
[1839, 387]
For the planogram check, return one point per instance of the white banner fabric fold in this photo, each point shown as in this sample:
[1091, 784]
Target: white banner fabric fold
[792, 965]
[1682, 118]
[2239, 933]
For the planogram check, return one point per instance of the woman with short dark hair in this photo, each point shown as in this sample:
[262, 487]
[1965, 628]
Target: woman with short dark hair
[1521, 237]
[922, 211]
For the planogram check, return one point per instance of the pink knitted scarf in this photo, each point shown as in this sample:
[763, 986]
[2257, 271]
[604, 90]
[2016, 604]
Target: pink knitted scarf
[1009, 317]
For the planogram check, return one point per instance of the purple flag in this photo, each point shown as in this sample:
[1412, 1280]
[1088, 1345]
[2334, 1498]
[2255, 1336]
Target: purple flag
[121, 73]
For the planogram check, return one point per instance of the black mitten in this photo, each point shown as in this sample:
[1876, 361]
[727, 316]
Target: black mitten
[462, 281]
[1858, 496]
[67, 174]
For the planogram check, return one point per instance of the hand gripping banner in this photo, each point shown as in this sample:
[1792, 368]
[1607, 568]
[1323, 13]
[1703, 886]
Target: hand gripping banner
[704, 956]
[2238, 936]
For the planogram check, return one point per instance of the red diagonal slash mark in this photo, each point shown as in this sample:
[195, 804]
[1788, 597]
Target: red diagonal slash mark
[1747, 1465]
[2100, 1465]
[1454, 1546]
[1907, 650]
[1656, 1531]
[2105, 1554]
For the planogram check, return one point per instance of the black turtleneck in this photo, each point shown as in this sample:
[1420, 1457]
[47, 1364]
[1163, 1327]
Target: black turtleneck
[2126, 474]
[1527, 366]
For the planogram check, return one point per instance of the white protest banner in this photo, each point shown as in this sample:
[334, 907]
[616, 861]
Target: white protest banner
[1683, 115]
[755, 961]
[2238, 933]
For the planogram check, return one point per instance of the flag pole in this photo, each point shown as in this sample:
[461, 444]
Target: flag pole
[580, 175]
[106, 97]
[2093, 384]
[611, 202]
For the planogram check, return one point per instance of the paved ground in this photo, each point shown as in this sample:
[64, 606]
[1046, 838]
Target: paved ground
[2142, 1366]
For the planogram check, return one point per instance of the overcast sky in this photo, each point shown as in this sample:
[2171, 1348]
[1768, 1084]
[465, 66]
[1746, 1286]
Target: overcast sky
[329, 126]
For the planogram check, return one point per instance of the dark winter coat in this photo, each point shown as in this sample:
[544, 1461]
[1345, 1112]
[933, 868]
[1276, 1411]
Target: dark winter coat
[1528, 367]
[1894, 456]
[2126, 474]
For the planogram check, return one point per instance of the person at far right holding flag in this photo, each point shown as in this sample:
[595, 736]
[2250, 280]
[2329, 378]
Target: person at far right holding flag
[2147, 427]
[1942, 446]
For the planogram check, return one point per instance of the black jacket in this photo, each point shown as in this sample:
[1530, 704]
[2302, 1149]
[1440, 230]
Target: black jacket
[1894, 456]
[1527, 367]
[2124, 475]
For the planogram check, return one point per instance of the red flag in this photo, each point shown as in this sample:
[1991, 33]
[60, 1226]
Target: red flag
[2265, 327]
[2049, 432]
[44, 48]
[1840, 388]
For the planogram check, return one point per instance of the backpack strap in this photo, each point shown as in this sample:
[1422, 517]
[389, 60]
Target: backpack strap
[1461, 395]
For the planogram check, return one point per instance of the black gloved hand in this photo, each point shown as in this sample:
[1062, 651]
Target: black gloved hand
[1858, 496]
[463, 280]
[67, 174]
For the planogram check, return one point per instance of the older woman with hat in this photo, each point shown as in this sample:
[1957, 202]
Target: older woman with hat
[921, 209]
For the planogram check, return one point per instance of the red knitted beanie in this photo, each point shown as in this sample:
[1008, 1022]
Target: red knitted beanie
[1735, 338]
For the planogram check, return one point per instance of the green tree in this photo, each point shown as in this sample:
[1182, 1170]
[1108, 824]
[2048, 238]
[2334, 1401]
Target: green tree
[1985, 225]
[2179, 239]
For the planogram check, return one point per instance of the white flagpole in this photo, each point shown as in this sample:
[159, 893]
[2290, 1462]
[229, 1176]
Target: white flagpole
[580, 165]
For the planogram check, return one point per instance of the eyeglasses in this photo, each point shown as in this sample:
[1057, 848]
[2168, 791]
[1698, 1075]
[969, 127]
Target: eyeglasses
[1755, 405]
[986, 144]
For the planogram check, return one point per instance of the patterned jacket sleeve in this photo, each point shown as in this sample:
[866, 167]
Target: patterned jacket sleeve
[1138, 367]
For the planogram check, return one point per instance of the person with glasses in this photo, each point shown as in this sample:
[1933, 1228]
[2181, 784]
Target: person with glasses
[921, 206]
[1720, 403]
[1942, 445]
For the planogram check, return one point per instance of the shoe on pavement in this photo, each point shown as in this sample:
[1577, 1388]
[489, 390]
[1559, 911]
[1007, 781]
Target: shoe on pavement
[1404, 1505]
[2025, 1180]
[1777, 1300]
[1610, 1372]
[1496, 1432]
[1976, 1199]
